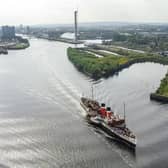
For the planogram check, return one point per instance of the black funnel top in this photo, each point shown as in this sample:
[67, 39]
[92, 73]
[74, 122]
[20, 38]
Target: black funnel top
[108, 108]
[103, 105]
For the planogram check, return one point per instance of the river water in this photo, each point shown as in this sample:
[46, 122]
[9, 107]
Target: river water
[43, 126]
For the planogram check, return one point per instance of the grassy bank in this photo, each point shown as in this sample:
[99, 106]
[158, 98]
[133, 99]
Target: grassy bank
[161, 93]
[163, 88]
[93, 66]
[105, 66]
[19, 46]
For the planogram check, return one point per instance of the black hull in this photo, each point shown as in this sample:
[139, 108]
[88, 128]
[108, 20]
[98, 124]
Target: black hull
[118, 138]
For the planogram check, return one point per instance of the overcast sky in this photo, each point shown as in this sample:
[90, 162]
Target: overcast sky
[61, 11]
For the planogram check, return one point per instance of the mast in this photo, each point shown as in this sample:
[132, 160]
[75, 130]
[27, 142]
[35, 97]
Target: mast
[92, 93]
[124, 114]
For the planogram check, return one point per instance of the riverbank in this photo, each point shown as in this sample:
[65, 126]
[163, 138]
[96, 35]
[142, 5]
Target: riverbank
[18, 46]
[161, 93]
[110, 64]
[160, 98]
[64, 40]
[18, 43]
[69, 41]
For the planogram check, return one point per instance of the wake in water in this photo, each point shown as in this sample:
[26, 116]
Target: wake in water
[66, 88]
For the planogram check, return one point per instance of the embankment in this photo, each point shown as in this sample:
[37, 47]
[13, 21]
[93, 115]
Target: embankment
[159, 98]
[161, 93]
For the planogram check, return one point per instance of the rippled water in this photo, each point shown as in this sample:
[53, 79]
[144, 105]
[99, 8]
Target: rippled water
[42, 124]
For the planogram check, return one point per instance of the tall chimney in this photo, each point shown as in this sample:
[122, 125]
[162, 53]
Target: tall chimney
[76, 26]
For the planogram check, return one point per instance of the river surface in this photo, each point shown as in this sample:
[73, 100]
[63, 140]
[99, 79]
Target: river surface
[43, 126]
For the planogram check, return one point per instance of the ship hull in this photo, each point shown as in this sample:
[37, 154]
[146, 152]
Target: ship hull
[112, 133]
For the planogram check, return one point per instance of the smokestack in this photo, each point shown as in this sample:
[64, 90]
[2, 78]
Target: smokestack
[76, 26]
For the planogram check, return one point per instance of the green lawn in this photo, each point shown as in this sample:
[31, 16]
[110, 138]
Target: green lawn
[163, 89]
[21, 45]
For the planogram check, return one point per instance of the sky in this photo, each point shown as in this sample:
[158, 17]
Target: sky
[31, 12]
